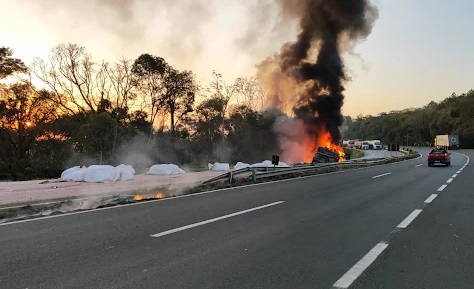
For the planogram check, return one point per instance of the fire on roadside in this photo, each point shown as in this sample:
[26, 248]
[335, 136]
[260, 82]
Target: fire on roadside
[159, 195]
[323, 140]
[137, 198]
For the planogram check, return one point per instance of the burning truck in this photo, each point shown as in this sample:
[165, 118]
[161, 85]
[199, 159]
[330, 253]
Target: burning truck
[325, 155]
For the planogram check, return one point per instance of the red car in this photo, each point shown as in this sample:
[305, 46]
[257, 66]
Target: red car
[439, 156]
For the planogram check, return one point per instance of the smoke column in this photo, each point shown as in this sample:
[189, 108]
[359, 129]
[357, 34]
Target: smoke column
[308, 74]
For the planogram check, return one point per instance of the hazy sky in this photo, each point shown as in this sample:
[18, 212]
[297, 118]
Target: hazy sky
[419, 50]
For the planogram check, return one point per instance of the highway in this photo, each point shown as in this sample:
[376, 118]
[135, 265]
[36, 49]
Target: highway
[401, 225]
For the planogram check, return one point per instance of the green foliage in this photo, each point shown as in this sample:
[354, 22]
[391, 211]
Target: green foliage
[353, 153]
[454, 115]
[10, 65]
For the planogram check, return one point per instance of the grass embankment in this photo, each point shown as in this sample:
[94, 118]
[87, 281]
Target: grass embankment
[353, 153]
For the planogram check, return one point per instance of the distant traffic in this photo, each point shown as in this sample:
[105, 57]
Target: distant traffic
[363, 144]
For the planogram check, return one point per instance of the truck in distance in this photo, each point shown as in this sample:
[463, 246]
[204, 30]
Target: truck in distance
[447, 141]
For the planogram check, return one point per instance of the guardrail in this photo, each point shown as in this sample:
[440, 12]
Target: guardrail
[257, 173]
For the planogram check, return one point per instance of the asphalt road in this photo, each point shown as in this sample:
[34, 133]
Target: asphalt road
[303, 233]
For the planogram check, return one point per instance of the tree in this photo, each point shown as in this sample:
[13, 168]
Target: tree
[250, 92]
[166, 88]
[10, 65]
[152, 73]
[74, 78]
[124, 84]
[180, 95]
[25, 115]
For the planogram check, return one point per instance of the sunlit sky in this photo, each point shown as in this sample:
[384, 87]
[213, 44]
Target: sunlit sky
[419, 50]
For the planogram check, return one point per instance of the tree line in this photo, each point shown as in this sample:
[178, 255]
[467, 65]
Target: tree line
[69, 109]
[419, 126]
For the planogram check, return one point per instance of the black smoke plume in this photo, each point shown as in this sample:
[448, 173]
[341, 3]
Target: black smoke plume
[314, 63]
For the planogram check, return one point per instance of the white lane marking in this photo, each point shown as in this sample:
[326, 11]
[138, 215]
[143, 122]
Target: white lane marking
[347, 279]
[449, 180]
[378, 176]
[418, 165]
[431, 198]
[201, 193]
[455, 175]
[214, 220]
[458, 172]
[409, 219]
[440, 189]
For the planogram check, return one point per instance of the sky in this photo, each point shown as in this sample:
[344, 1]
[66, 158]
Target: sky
[419, 50]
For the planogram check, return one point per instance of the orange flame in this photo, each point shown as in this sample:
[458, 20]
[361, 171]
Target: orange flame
[159, 195]
[137, 198]
[323, 140]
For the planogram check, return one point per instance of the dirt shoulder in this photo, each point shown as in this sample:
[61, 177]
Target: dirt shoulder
[27, 192]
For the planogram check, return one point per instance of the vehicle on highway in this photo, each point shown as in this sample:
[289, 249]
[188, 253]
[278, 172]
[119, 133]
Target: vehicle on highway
[446, 141]
[438, 155]
[348, 143]
[375, 144]
[362, 144]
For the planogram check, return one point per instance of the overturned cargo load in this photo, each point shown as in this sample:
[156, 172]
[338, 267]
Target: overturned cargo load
[325, 155]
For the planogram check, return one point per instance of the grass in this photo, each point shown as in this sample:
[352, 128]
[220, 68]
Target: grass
[353, 153]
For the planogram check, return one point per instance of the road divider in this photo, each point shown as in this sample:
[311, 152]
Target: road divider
[440, 189]
[431, 198]
[214, 220]
[382, 175]
[409, 219]
[347, 279]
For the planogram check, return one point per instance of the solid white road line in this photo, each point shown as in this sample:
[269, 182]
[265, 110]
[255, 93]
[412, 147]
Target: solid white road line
[418, 165]
[409, 219]
[214, 220]
[449, 180]
[347, 279]
[431, 198]
[440, 189]
[378, 176]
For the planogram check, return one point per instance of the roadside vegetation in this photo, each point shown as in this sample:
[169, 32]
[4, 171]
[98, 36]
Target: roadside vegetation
[137, 111]
[419, 126]
[353, 153]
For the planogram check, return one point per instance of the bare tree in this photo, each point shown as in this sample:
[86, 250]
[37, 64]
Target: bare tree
[250, 92]
[74, 77]
[124, 84]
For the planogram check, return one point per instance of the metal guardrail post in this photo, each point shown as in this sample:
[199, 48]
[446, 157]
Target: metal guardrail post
[230, 177]
[254, 176]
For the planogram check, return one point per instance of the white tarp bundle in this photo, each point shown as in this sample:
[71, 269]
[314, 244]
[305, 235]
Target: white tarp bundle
[219, 166]
[101, 174]
[241, 165]
[126, 172]
[98, 174]
[74, 174]
[268, 163]
[165, 169]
